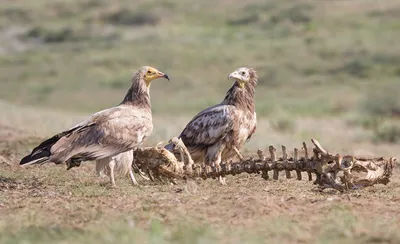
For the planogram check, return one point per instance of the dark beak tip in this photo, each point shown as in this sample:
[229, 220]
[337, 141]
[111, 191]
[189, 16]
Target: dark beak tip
[166, 76]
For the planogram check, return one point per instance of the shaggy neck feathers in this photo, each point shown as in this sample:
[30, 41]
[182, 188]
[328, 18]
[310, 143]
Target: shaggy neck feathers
[138, 94]
[242, 98]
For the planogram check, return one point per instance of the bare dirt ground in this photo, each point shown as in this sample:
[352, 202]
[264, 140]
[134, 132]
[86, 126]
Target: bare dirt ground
[48, 204]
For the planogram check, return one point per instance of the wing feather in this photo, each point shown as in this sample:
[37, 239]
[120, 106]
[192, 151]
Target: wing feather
[253, 127]
[209, 126]
[112, 131]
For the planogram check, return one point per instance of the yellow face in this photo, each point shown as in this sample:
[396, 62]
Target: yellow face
[151, 73]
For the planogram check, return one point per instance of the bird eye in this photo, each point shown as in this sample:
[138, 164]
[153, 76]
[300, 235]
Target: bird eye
[243, 73]
[148, 72]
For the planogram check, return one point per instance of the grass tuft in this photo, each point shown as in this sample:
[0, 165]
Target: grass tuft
[130, 18]
[387, 133]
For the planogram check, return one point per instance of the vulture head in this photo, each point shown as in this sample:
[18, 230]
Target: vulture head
[243, 75]
[150, 73]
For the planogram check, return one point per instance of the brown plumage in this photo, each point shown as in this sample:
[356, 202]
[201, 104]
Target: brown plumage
[217, 133]
[106, 133]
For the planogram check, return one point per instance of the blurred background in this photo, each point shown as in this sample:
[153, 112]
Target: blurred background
[328, 70]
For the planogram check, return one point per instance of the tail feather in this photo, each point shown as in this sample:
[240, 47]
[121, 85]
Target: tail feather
[36, 159]
[38, 155]
[42, 153]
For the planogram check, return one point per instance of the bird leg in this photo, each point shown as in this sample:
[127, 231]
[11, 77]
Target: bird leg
[221, 178]
[238, 154]
[213, 158]
[111, 166]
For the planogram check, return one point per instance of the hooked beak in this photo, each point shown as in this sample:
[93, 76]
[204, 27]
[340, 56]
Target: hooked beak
[234, 75]
[162, 75]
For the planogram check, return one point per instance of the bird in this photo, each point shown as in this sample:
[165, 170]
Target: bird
[217, 133]
[106, 133]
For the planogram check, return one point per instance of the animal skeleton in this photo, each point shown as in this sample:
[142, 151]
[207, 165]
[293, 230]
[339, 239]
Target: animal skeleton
[332, 170]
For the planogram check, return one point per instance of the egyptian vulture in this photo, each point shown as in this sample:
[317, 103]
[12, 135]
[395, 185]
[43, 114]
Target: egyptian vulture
[106, 133]
[217, 133]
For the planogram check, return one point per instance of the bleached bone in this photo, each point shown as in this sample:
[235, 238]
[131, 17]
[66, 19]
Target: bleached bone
[357, 172]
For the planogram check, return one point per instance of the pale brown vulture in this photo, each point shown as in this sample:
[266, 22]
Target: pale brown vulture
[106, 133]
[217, 133]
